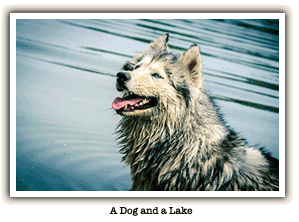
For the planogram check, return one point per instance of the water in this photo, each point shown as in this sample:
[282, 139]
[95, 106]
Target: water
[66, 84]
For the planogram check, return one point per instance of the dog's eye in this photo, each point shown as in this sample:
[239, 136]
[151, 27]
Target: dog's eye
[137, 66]
[156, 75]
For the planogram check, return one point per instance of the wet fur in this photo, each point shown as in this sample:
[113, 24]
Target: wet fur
[183, 143]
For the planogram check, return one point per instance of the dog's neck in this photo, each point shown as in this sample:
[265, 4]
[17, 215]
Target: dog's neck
[139, 136]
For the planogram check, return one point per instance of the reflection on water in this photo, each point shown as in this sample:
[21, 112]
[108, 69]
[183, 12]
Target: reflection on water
[65, 86]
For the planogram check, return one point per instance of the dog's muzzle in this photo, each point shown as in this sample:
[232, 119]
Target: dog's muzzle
[122, 78]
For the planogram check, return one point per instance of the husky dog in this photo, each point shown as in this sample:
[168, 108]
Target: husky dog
[172, 134]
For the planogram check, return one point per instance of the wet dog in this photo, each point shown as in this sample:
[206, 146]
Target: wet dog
[172, 134]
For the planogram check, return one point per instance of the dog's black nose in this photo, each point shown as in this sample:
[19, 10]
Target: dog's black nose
[122, 77]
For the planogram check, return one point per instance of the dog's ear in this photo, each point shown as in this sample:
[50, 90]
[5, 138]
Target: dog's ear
[160, 43]
[191, 59]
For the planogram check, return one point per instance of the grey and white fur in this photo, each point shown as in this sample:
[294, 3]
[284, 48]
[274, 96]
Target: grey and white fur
[172, 134]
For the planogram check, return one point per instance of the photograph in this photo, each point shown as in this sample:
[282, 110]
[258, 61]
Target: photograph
[117, 103]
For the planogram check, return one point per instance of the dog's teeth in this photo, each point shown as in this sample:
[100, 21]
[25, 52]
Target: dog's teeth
[144, 102]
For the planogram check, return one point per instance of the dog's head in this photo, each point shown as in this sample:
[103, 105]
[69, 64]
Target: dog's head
[158, 80]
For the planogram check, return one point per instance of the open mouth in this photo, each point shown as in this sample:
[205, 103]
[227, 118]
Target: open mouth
[133, 103]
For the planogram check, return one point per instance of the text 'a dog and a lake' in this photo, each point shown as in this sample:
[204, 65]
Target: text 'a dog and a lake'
[136, 211]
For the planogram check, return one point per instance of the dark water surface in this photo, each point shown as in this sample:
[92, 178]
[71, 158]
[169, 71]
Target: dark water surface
[66, 83]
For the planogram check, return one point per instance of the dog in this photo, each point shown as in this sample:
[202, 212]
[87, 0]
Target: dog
[172, 134]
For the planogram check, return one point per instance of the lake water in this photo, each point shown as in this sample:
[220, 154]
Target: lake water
[66, 83]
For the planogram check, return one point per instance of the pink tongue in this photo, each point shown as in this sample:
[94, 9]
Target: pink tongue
[119, 103]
